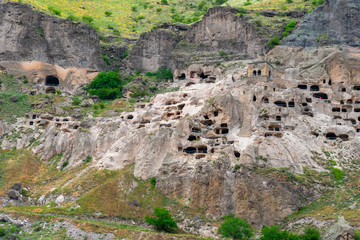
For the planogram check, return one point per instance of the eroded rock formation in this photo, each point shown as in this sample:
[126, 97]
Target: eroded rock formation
[27, 35]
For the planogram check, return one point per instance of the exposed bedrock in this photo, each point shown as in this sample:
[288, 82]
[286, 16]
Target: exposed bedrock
[336, 22]
[28, 35]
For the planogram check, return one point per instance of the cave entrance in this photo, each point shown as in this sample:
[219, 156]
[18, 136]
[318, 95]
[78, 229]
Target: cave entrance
[182, 76]
[320, 95]
[331, 136]
[52, 81]
[314, 88]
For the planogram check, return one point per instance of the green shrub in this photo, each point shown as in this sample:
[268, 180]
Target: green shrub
[220, 2]
[161, 73]
[87, 19]
[73, 18]
[290, 26]
[106, 80]
[134, 8]
[87, 159]
[357, 234]
[247, 3]
[241, 11]
[237, 167]
[201, 5]
[274, 233]
[235, 228]
[338, 174]
[106, 93]
[158, 10]
[273, 42]
[222, 53]
[310, 234]
[54, 11]
[107, 60]
[108, 13]
[153, 181]
[65, 164]
[289, 1]
[76, 101]
[162, 220]
[164, 2]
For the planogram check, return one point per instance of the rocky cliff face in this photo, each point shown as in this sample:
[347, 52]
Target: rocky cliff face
[222, 28]
[154, 49]
[174, 45]
[27, 35]
[336, 22]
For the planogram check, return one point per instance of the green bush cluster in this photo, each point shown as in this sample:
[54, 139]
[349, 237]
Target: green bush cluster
[235, 228]
[107, 86]
[54, 11]
[162, 220]
[273, 42]
[239, 229]
[316, 3]
[289, 28]
[161, 74]
[338, 174]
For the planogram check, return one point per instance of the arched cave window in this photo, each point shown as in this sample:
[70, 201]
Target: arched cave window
[51, 81]
[182, 76]
[254, 98]
[254, 73]
[259, 73]
[314, 88]
[320, 95]
[331, 136]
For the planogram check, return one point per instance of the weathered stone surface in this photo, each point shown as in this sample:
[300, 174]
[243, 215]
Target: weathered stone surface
[340, 230]
[336, 22]
[17, 187]
[15, 195]
[27, 35]
[221, 28]
[154, 50]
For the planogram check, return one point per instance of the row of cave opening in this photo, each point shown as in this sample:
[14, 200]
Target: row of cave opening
[204, 150]
[316, 88]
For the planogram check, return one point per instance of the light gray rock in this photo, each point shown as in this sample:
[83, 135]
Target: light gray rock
[339, 231]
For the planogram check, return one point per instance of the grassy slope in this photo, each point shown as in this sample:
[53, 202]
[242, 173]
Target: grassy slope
[131, 23]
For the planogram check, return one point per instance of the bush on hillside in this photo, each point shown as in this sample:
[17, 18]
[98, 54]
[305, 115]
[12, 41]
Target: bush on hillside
[107, 86]
[162, 220]
[162, 73]
[235, 228]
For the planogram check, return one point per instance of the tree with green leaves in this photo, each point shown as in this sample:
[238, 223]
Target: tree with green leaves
[162, 220]
[235, 228]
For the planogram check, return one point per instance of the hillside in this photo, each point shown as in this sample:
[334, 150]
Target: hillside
[129, 18]
[247, 112]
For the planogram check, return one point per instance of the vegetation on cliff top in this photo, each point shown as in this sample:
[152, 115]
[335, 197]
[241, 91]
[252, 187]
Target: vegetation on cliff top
[129, 18]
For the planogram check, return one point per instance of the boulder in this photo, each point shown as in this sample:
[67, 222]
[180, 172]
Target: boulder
[17, 187]
[341, 230]
[14, 98]
[60, 199]
[14, 195]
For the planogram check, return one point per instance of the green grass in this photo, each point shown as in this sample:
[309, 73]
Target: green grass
[133, 17]
[129, 17]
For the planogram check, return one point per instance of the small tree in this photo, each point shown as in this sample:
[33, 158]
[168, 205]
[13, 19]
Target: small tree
[163, 220]
[274, 233]
[310, 234]
[235, 228]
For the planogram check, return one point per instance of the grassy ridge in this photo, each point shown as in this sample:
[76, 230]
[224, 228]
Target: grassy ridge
[129, 18]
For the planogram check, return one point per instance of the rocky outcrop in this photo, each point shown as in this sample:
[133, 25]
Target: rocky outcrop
[336, 22]
[222, 29]
[28, 35]
[172, 46]
[154, 49]
[220, 190]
